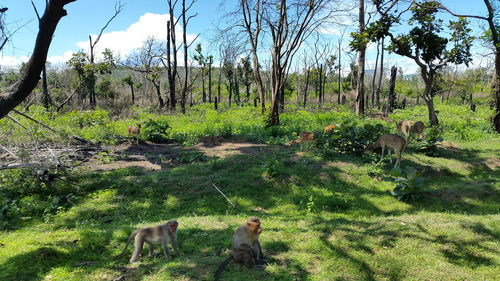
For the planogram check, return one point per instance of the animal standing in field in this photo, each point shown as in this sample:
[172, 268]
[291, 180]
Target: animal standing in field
[134, 130]
[329, 128]
[303, 137]
[164, 234]
[418, 129]
[246, 249]
[403, 127]
[397, 143]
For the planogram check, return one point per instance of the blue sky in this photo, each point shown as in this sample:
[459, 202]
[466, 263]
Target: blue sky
[138, 19]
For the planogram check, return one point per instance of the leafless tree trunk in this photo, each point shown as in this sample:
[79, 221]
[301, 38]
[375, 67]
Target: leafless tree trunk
[185, 22]
[375, 75]
[252, 19]
[30, 75]
[360, 98]
[92, 44]
[381, 73]
[171, 53]
[288, 31]
[392, 85]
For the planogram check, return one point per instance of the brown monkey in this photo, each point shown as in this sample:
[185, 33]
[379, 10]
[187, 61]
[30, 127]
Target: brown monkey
[246, 249]
[164, 234]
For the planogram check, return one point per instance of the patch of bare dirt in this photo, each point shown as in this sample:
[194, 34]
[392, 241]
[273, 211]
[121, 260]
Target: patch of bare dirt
[224, 148]
[155, 157]
[450, 145]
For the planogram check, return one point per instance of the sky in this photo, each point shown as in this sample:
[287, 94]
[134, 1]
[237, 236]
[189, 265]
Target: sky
[140, 19]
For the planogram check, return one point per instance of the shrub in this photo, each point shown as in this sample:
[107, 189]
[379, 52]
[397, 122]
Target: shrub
[408, 183]
[155, 130]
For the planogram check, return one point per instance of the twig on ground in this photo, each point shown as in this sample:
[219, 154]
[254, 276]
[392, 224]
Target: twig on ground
[232, 204]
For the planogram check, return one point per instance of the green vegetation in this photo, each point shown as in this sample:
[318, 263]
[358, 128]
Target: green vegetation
[327, 213]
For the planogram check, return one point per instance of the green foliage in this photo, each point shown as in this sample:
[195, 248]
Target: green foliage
[274, 166]
[408, 183]
[429, 144]
[155, 130]
[351, 137]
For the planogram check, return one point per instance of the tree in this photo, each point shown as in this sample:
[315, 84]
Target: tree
[30, 76]
[424, 43]
[245, 74]
[171, 64]
[202, 62]
[92, 44]
[4, 35]
[127, 80]
[290, 23]
[252, 22]
[493, 36]
[147, 61]
[185, 21]
[361, 48]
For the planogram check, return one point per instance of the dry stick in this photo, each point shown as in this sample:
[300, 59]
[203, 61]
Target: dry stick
[8, 151]
[17, 122]
[223, 195]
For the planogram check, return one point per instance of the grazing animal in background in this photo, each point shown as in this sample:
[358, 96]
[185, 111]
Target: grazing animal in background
[329, 128]
[164, 234]
[246, 249]
[403, 127]
[418, 129]
[303, 137]
[134, 130]
[397, 143]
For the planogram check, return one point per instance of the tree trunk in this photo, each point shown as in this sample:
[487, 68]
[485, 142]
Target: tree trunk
[186, 67]
[360, 98]
[158, 94]
[210, 83]
[392, 85]
[307, 85]
[429, 101]
[375, 75]
[340, 77]
[133, 94]
[45, 90]
[381, 73]
[30, 75]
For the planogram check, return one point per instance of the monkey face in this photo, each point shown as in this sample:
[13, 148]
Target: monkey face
[254, 227]
[172, 225]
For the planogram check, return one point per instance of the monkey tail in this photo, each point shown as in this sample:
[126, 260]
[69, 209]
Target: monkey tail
[221, 267]
[132, 236]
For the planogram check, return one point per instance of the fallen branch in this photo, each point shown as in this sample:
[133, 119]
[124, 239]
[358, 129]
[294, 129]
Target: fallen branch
[223, 195]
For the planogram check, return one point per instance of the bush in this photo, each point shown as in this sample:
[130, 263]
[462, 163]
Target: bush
[408, 182]
[155, 130]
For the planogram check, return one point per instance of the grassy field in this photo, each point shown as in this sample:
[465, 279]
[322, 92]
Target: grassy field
[324, 218]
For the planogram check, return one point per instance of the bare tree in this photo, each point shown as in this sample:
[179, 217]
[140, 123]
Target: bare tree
[360, 97]
[92, 44]
[381, 73]
[185, 21]
[252, 20]
[30, 75]
[148, 62]
[171, 64]
[290, 23]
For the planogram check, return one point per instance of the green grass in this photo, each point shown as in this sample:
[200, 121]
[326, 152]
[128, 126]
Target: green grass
[323, 219]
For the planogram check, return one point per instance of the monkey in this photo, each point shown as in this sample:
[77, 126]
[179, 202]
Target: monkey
[164, 234]
[134, 130]
[246, 249]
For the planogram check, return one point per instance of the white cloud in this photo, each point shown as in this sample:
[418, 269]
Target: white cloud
[123, 43]
[12, 62]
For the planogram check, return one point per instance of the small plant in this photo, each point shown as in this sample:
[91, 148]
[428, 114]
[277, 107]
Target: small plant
[408, 183]
[274, 167]
[155, 130]
[192, 156]
[429, 145]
